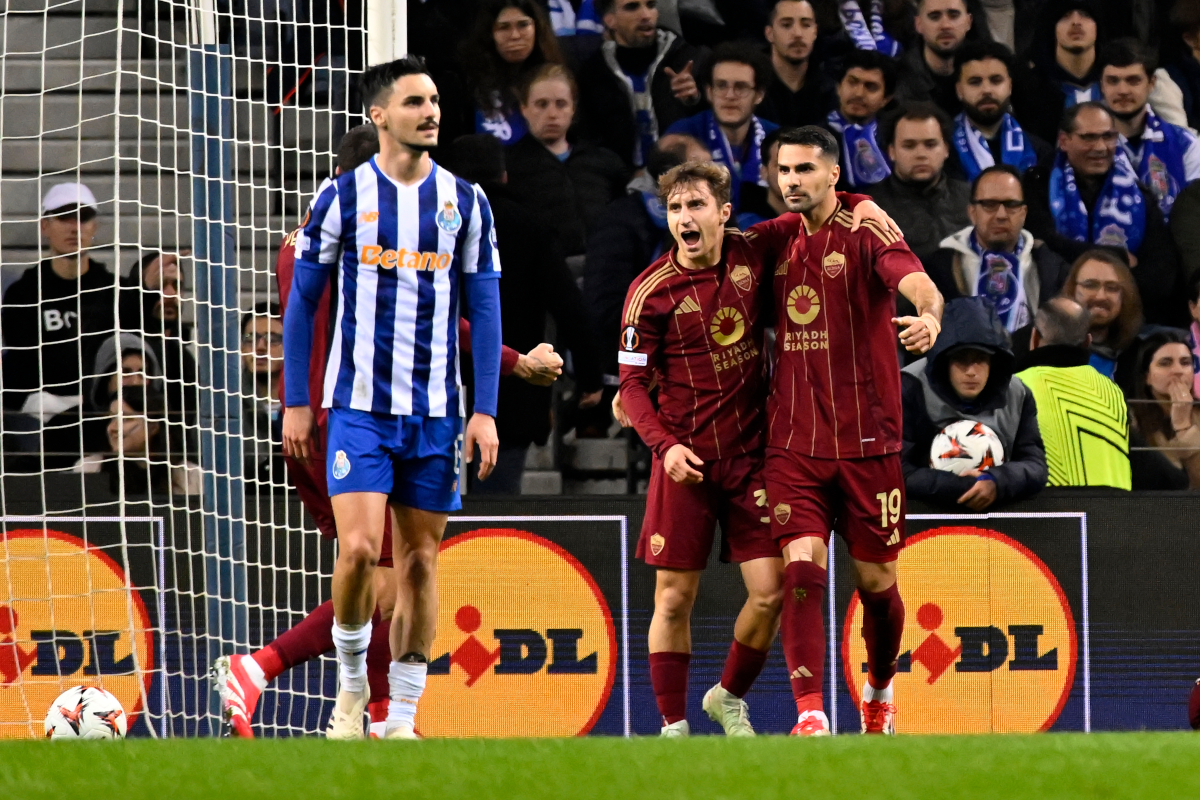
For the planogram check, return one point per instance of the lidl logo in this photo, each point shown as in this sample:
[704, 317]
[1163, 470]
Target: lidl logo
[989, 642]
[525, 640]
[67, 617]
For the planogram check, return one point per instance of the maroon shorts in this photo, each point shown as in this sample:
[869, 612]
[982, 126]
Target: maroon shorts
[312, 484]
[860, 498]
[681, 520]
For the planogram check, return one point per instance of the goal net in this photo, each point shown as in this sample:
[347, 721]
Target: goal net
[148, 525]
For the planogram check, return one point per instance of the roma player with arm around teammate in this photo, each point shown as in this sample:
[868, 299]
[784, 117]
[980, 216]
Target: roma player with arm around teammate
[405, 237]
[834, 420]
[693, 323]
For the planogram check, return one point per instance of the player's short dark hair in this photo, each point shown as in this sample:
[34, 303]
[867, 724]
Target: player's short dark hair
[1066, 123]
[998, 169]
[979, 50]
[868, 60]
[811, 136]
[357, 146]
[915, 112]
[1127, 52]
[478, 158]
[378, 80]
[693, 172]
[739, 53]
[773, 11]
[1061, 320]
[264, 309]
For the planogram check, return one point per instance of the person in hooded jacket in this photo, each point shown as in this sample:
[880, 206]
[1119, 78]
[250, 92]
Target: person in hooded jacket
[968, 374]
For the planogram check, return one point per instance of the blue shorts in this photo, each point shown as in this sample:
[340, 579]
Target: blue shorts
[413, 460]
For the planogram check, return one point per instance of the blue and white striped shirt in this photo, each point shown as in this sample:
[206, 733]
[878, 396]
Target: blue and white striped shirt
[398, 255]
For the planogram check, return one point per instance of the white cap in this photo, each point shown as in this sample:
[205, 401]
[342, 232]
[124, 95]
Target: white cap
[65, 194]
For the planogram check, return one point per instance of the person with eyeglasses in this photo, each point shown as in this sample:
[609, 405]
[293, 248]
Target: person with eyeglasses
[262, 409]
[995, 257]
[1089, 195]
[734, 86]
[640, 81]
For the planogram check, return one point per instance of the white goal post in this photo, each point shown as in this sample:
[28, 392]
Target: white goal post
[201, 128]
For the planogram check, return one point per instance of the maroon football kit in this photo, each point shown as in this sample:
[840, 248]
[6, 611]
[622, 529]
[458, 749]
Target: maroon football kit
[698, 333]
[834, 411]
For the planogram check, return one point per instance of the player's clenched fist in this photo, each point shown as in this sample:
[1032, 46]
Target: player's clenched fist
[541, 366]
[297, 432]
[481, 430]
[677, 462]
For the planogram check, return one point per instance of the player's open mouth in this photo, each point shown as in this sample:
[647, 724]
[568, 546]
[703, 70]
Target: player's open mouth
[690, 237]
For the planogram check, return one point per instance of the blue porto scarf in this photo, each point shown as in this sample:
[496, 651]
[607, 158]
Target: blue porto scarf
[866, 36]
[1119, 219]
[507, 126]
[1000, 281]
[975, 155]
[863, 163]
[743, 166]
[1074, 94]
[1161, 168]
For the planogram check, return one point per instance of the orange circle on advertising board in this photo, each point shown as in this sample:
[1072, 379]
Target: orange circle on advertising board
[525, 642]
[66, 619]
[989, 641]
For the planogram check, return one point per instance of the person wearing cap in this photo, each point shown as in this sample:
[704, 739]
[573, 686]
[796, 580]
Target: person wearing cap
[968, 374]
[54, 318]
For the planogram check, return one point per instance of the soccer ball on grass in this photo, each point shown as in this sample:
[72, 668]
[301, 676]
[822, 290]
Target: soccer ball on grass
[86, 712]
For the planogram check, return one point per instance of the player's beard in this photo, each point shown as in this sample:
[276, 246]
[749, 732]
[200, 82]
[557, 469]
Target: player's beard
[801, 204]
[989, 117]
[421, 146]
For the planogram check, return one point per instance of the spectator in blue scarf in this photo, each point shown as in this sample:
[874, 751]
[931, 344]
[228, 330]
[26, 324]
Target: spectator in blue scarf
[1089, 195]
[1166, 156]
[865, 88]
[734, 86]
[986, 132]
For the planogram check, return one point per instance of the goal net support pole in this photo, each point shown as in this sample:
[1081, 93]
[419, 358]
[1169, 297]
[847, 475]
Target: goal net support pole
[387, 31]
[217, 335]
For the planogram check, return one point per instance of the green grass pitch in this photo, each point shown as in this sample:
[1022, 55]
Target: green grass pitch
[1151, 765]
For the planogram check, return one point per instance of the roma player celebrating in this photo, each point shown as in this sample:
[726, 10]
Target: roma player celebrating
[834, 420]
[693, 324]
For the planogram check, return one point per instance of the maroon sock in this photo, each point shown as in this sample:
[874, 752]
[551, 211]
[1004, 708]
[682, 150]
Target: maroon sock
[308, 639]
[379, 658]
[268, 658]
[742, 666]
[669, 676]
[803, 630]
[883, 623]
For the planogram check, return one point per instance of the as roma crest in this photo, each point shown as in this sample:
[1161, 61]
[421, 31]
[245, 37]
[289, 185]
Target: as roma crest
[833, 264]
[783, 512]
[742, 278]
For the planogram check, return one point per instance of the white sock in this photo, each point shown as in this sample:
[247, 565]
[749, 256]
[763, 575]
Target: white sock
[406, 682]
[873, 695]
[351, 642]
[255, 673]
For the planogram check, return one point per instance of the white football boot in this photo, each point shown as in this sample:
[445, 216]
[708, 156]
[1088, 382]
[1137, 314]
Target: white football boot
[728, 711]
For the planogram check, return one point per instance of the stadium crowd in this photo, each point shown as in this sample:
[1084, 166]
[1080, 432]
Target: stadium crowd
[1042, 168]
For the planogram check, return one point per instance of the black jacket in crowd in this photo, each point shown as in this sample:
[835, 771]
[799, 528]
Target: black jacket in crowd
[1005, 405]
[1157, 272]
[926, 212]
[536, 282]
[623, 243]
[606, 107]
[52, 327]
[568, 195]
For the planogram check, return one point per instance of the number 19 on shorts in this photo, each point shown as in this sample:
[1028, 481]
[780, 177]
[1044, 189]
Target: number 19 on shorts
[889, 507]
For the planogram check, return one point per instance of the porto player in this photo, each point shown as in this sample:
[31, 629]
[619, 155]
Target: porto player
[404, 238]
[834, 420]
[240, 679]
[693, 325]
